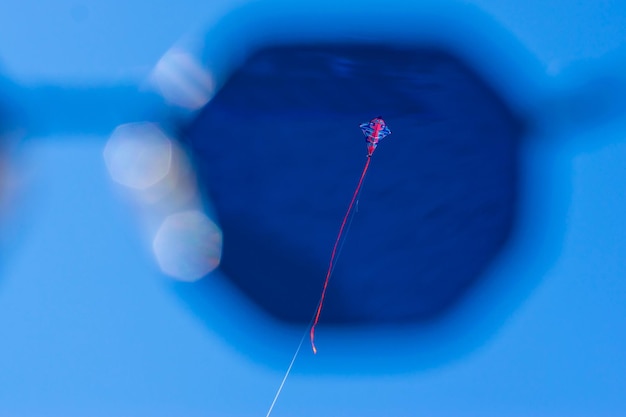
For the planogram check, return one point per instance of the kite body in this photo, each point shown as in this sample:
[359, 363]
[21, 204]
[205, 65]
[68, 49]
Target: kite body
[374, 130]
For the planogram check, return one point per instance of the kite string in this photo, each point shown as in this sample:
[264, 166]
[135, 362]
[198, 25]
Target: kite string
[295, 355]
[335, 255]
[334, 252]
[293, 360]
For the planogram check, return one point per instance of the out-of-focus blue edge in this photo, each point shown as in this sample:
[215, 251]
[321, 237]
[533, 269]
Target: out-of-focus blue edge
[494, 54]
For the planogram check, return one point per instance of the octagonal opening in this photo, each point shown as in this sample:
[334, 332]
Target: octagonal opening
[279, 150]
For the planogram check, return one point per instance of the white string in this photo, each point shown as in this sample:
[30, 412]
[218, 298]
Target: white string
[293, 360]
[306, 330]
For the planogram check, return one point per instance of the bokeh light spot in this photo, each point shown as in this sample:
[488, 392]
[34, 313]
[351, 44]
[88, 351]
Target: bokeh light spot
[188, 245]
[138, 155]
[182, 81]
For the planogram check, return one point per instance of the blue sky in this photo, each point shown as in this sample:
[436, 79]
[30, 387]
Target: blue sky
[90, 326]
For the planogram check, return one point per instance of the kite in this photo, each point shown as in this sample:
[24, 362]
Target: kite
[374, 130]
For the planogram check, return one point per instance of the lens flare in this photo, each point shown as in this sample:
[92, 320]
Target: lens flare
[188, 245]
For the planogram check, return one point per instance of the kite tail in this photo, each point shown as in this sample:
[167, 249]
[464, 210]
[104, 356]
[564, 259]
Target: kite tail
[334, 253]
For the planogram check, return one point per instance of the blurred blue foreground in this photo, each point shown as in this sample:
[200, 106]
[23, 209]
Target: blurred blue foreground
[91, 325]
